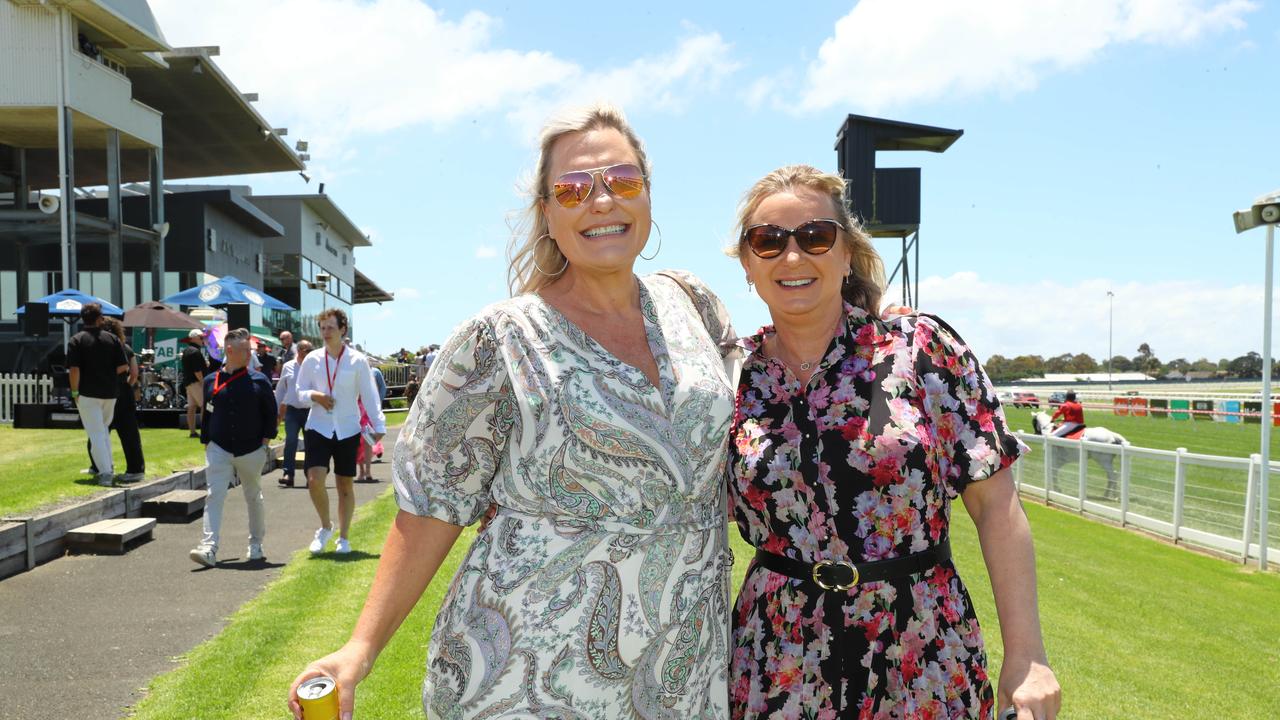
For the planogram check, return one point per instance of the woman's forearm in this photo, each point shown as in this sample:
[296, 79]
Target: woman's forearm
[415, 548]
[1007, 549]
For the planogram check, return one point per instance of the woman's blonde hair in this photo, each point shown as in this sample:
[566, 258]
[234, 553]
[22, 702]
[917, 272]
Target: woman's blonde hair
[534, 259]
[866, 280]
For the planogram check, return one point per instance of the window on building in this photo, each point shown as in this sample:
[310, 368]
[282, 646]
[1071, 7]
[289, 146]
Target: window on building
[8, 295]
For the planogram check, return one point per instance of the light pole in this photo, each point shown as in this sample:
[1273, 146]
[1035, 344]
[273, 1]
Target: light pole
[1265, 211]
[1111, 306]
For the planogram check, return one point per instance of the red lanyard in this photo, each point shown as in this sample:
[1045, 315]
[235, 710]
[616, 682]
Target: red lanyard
[217, 387]
[337, 365]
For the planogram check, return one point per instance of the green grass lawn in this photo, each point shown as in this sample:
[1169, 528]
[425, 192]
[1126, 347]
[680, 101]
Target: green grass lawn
[41, 468]
[1134, 628]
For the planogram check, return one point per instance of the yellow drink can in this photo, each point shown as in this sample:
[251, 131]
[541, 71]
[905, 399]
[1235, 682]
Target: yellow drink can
[319, 698]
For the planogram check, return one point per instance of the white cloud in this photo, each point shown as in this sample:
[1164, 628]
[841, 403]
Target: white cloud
[485, 252]
[894, 52]
[407, 293]
[331, 69]
[1188, 319]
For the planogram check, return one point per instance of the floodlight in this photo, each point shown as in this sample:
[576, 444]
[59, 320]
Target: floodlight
[1265, 211]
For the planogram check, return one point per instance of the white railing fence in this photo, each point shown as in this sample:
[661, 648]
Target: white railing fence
[21, 388]
[1203, 500]
[397, 374]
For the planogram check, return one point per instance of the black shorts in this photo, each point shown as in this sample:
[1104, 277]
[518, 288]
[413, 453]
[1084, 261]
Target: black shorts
[343, 452]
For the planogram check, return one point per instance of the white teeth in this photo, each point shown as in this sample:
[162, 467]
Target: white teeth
[795, 283]
[605, 230]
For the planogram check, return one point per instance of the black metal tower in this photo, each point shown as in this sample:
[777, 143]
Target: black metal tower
[887, 200]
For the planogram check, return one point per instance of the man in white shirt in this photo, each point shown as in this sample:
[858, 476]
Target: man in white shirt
[331, 380]
[293, 412]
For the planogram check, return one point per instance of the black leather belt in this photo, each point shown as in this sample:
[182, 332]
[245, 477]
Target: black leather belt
[841, 575]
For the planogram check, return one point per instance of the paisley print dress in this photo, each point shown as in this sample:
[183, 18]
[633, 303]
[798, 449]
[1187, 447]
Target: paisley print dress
[861, 465]
[600, 589]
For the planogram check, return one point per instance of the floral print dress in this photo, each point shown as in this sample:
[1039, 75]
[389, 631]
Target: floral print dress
[601, 587]
[861, 465]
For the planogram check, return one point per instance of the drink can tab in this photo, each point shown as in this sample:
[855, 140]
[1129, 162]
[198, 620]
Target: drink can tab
[319, 698]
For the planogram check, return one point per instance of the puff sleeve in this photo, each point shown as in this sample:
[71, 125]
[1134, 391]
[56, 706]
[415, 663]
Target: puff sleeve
[454, 440]
[972, 440]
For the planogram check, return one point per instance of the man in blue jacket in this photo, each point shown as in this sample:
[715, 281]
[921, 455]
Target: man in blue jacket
[239, 423]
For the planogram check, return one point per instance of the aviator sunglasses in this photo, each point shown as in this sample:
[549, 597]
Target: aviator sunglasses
[815, 237]
[573, 188]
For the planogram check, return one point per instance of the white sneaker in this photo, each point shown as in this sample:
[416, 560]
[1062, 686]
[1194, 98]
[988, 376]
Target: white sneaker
[322, 537]
[255, 552]
[204, 555]
[342, 547]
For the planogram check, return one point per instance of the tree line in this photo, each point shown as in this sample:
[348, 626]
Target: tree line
[1003, 369]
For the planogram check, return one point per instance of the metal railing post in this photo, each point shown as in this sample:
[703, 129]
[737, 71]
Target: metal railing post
[1084, 476]
[1048, 467]
[1179, 491]
[1017, 469]
[1125, 465]
[1254, 460]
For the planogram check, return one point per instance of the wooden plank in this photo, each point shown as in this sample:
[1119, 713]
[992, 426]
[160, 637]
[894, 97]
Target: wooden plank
[13, 548]
[53, 525]
[137, 497]
[110, 535]
[176, 505]
[13, 538]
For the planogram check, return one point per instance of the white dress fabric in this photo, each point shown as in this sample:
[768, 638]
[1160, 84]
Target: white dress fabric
[600, 589]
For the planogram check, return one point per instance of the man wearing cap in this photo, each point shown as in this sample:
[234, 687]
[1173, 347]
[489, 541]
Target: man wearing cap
[194, 368]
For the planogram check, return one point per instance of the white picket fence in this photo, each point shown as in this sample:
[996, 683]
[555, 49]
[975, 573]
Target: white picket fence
[22, 388]
[1205, 500]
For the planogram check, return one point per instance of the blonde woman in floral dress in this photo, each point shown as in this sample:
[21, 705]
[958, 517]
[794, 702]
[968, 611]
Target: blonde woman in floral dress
[853, 434]
[591, 410]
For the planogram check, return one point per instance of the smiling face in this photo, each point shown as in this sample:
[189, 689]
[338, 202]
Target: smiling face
[795, 283]
[605, 233]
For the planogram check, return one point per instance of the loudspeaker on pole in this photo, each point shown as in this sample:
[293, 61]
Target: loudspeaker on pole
[238, 316]
[35, 319]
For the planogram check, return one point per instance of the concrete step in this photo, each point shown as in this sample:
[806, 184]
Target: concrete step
[110, 536]
[176, 506]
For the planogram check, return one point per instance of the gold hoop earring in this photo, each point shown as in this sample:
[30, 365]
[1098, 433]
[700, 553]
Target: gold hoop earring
[655, 252]
[533, 257]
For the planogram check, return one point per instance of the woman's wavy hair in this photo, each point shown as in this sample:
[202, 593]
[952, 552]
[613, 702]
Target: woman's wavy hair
[866, 281]
[531, 246]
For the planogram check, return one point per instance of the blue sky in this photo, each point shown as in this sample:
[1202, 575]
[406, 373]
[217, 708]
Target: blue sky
[1106, 143]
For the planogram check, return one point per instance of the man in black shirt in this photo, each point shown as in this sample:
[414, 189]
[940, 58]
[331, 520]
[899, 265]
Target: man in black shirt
[239, 422]
[194, 368]
[96, 360]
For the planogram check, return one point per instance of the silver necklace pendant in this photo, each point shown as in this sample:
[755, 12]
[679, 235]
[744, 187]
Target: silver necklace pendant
[806, 366]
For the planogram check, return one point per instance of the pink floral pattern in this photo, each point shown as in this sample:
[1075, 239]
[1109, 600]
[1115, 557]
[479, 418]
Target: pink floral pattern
[861, 465]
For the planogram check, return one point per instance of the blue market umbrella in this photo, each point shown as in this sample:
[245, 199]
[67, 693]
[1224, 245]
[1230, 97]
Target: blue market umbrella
[223, 292]
[67, 303]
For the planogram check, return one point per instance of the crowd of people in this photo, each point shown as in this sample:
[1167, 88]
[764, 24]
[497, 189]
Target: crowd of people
[235, 405]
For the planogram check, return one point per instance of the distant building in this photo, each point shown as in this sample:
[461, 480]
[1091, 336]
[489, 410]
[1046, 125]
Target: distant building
[93, 96]
[312, 265]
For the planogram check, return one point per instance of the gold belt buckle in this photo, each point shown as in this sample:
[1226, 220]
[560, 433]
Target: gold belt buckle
[817, 578]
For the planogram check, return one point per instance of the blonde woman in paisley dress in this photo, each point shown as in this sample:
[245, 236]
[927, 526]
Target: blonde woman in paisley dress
[592, 411]
[855, 431]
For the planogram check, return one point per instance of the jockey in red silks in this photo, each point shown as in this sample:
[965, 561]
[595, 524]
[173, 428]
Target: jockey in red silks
[1072, 414]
